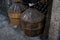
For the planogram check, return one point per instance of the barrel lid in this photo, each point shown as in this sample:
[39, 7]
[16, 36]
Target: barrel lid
[32, 15]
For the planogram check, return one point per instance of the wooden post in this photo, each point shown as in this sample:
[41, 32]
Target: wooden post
[48, 17]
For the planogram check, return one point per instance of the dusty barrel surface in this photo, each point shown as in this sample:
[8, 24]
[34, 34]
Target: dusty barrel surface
[31, 21]
[32, 29]
[14, 13]
[14, 18]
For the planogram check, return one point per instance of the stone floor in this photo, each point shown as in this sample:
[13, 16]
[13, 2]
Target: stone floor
[8, 33]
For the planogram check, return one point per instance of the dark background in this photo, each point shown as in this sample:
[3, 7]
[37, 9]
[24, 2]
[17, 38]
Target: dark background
[3, 9]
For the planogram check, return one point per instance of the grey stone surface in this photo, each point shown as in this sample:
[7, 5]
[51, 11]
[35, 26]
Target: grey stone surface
[3, 20]
[55, 20]
[8, 33]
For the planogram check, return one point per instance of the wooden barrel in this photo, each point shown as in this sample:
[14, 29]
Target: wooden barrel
[14, 18]
[32, 29]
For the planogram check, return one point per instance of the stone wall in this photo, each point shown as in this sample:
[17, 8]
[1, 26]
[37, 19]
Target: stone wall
[55, 21]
